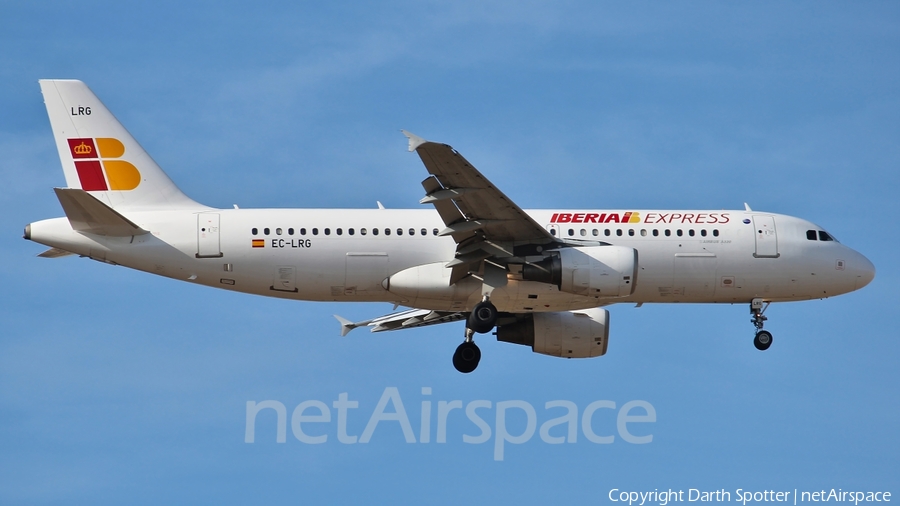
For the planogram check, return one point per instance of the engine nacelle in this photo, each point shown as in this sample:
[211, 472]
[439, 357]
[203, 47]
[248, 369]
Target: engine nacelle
[571, 334]
[599, 271]
[593, 271]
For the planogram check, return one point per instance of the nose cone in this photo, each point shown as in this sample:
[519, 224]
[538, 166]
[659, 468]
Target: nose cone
[863, 269]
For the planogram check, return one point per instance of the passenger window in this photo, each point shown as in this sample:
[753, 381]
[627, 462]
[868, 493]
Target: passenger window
[595, 232]
[412, 231]
[290, 231]
[362, 231]
[387, 231]
[823, 236]
[423, 232]
[315, 231]
[340, 231]
[350, 231]
[278, 231]
[655, 232]
[399, 231]
[643, 232]
[619, 232]
[434, 231]
[583, 232]
[571, 232]
[668, 232]
[327, 231]
[811, 235]
[716, 232]
[254, 231]
[606, 232]
[553, 232]
[266, 231]
[703, 232]
[302, 231]
[691, 232]
[679, 232]
[374, 231]
[631, 232]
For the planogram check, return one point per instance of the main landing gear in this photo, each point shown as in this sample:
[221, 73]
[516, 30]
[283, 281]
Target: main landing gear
[763, 338]
[482, 321]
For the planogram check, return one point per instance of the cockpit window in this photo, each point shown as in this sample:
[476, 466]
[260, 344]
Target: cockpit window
[823, 236]
[811, 235]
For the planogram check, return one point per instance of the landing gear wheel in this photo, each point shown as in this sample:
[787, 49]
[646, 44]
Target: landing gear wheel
[483, 317]
[763, 340]
[466, 358]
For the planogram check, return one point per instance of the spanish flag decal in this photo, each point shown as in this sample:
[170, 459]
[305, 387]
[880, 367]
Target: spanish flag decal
[259, 243]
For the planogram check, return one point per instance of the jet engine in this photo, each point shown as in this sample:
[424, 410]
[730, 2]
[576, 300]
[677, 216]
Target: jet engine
[594, 271]
[572, 334]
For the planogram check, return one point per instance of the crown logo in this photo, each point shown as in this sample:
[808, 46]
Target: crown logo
[82, 149]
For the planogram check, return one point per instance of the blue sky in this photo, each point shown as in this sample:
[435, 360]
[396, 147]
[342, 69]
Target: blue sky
[118, 387]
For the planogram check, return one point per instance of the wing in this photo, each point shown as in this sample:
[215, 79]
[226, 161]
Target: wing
[409, 319]
[484, 222]
[479, 205]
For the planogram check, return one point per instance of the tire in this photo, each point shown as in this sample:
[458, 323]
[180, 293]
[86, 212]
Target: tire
[466, 357]
[763, 340]
[483, 318]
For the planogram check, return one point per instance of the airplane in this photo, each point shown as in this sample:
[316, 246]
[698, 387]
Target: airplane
[541, 278]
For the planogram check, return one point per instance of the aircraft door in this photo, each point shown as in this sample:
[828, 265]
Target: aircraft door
[694, 275]
[208, 245]
[365, 273]
[766, 239]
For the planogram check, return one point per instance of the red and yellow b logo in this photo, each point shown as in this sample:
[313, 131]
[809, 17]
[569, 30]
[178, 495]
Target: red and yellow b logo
[97, 167]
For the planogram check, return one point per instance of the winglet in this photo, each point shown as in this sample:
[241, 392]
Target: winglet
[346, 325]
[414, 140]
[747, 207]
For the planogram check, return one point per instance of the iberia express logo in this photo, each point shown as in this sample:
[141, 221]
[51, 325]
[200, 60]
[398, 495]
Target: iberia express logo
[97, 165]
[629, 217]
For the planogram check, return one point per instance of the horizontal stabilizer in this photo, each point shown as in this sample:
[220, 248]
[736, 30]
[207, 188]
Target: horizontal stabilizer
[55, 253]
[88, 215]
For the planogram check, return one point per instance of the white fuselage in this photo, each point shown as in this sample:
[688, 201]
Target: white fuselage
[335, 255]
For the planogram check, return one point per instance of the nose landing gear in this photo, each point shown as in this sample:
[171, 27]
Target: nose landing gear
[763, 338]
[482, 321]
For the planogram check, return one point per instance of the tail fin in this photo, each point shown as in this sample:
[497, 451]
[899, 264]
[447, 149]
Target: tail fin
[99, 156]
